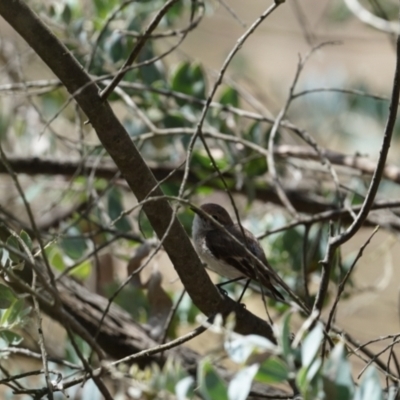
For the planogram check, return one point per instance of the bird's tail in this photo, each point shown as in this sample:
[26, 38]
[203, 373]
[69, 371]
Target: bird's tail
[271, 290]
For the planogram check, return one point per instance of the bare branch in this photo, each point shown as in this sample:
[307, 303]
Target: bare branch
[136, 50]
[117, 142]
[336, 241]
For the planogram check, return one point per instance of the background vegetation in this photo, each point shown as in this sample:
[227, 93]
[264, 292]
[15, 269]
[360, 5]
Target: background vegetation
[113, 122]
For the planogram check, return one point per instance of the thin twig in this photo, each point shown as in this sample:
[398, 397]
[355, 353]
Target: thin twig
[37, 356]
[145, 353]
[342, 285]
[171, 316]
[103, 30]
[341, 238]
[136, 50]
[305, 263]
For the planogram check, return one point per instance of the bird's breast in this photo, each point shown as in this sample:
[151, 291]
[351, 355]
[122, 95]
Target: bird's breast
[214, 264]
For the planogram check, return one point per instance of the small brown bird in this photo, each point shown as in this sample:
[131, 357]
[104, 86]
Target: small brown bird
[225, 256]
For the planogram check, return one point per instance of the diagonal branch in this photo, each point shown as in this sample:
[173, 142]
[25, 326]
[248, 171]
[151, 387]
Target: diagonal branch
[129, 161]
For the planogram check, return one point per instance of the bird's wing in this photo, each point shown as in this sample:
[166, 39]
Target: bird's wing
[237, 256]
[230, 252]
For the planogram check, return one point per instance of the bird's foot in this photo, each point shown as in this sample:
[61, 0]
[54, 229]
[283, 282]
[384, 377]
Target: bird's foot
[222, 291]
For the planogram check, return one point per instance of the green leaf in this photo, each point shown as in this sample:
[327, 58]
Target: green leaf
[139, 309]
[291, 241]
[82, 271]
[27, 240]
[202, 161]
[301, 380]
[313, 369]
[170, 188]
[12, 241]
[189, 79]
[11, 338]
[115, 47]
[211, 386]
[311, 344]
[145, 226]
[70, 352]
[66, 14]
[272, 370]
[204, 191]
[199, 81]
[175, 12]
[103, 7]
[187, 311]
[115, 209]
[6, 296]
[256, 133]
[240, 385]
[181, 78]
[229, 96]
[174, 119]
[186, 219]
[14, 313]
[4, 124]
[134, 23]
[337, 378]
[152, 72]
[256, 167]
[74, 245]
[56, 260]
[285, 341]
[309, 381]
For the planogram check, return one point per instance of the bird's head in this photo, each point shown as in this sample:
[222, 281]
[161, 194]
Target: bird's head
[214, 212]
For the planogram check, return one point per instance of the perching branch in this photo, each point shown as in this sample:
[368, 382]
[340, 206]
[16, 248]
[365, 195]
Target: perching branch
[118, 144]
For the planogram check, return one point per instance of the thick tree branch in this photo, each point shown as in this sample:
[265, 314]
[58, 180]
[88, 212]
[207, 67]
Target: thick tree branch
[55, 166]
[299, 196]
[118, 144]
[119, 335]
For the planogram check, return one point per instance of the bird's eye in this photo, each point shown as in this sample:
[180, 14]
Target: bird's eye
[216, 217]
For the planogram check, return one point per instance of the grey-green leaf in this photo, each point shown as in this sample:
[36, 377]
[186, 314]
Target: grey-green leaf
[338, 381]
[6, 296]
[26, 239]
[240, 385]
[11, 338]
[370, 387]
[311, 344]
[272, 370]
[211, 385]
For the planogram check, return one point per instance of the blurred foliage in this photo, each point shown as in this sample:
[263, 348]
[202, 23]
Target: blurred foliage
[13, 315]
[189, 79]
[139, 309]
[101, 35]
[264, 362]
